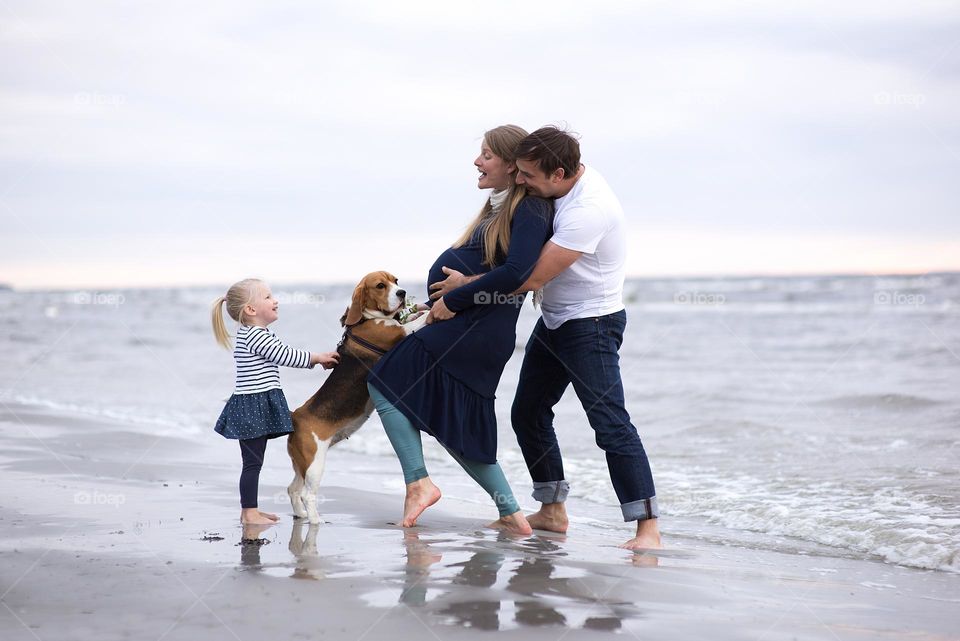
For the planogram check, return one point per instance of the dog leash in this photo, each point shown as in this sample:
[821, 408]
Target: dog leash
[348, 335]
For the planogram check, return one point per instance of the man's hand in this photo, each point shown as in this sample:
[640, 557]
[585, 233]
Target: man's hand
[454, 279]
[439, 312]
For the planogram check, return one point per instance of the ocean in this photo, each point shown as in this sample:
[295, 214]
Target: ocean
[777, 412]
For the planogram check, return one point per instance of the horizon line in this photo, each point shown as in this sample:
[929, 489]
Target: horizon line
[630, 277]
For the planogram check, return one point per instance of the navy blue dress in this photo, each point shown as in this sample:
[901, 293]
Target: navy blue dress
[444, 377]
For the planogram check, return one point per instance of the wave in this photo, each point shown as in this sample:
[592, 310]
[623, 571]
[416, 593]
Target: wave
[893, 524]
[173, 424]
[878, 401]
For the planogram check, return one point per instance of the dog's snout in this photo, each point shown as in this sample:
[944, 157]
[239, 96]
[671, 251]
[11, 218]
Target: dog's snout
[401, 293]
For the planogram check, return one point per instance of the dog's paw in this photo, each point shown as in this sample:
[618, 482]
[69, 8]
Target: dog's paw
[414, 325]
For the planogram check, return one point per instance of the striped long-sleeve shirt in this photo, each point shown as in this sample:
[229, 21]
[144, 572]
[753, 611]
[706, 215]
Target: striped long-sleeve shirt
[258, 352]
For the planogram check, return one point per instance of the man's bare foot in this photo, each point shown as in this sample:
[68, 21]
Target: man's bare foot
[421, 494]
[647, 538]
[268, 515]
[253, 516]
[515, 523]
[551, 517]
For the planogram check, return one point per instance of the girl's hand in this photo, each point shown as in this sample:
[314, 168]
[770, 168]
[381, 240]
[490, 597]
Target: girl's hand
[329, 360]
[439, 312]
[423, 307]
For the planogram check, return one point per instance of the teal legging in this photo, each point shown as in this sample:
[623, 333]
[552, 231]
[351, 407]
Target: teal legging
[405, 439]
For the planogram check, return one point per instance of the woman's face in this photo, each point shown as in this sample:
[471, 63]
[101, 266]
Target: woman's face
[494, 172]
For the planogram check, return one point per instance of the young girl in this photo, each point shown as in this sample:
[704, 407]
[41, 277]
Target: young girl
[257, 410]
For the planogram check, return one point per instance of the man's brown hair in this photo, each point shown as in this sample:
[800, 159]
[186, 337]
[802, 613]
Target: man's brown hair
[553, 148]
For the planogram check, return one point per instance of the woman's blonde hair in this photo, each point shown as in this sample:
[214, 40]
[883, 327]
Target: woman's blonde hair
[503, 142]
[238, 296]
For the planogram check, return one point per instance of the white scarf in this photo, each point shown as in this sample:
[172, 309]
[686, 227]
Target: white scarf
[498, 199]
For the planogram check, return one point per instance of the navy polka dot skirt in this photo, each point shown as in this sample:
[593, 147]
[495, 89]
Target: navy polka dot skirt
[255, 415]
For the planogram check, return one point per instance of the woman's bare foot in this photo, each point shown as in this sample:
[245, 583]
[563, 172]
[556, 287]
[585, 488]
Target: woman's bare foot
[421, 494]
[647, 538]
[551, 517]
[515, 523]
[268, 515]
[253, 516]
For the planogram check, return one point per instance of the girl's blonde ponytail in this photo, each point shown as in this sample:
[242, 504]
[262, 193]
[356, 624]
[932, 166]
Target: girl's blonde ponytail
[219, 327]
[238, 296]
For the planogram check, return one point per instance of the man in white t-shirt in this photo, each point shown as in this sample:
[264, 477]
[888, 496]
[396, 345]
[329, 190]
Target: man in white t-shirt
[577, 341]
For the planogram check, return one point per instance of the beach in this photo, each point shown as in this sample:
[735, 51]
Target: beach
[801, 431]
[110, 535]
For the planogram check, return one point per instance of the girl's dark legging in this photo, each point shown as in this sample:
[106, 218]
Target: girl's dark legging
[252, 451]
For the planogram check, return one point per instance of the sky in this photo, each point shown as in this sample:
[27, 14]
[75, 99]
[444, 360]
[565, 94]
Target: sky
[183, 143]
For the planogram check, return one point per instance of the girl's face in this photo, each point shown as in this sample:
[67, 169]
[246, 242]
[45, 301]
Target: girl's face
[494, 172]
[263, 307]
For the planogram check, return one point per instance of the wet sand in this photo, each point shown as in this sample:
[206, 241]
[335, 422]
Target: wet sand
[110, 534]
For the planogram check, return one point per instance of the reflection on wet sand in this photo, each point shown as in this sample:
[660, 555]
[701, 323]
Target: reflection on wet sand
[484, 583]
[303, 547]
[250, 544]
[508, 586]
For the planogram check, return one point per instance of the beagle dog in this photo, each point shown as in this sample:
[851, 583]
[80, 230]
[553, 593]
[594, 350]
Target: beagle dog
[342, 404]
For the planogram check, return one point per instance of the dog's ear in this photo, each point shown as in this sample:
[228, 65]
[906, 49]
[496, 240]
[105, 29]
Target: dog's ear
[343, 319]
[355, 311]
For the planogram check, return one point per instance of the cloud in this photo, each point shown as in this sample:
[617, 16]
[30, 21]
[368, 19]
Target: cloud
[126, 123]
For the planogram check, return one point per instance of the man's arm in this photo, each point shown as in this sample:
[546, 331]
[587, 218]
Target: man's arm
[553, 260]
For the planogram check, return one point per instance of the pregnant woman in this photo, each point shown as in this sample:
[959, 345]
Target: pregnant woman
[442, 379]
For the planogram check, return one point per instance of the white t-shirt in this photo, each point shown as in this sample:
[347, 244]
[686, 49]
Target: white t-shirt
[588, 219]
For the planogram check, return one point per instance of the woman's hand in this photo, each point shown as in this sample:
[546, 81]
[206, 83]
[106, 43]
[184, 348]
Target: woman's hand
[329, 360]
[453, 280]
[439, 312]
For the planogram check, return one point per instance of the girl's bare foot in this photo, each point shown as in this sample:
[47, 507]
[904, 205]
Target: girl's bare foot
[421, 494]
[272, 517]
[253, 516]
[551, 517]
[515, 523]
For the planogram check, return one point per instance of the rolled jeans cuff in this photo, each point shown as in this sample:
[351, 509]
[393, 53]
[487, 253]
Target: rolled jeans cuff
[640, 510]
[550, 491]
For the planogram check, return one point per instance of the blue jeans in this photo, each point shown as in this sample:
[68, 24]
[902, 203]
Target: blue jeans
[584, 352]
